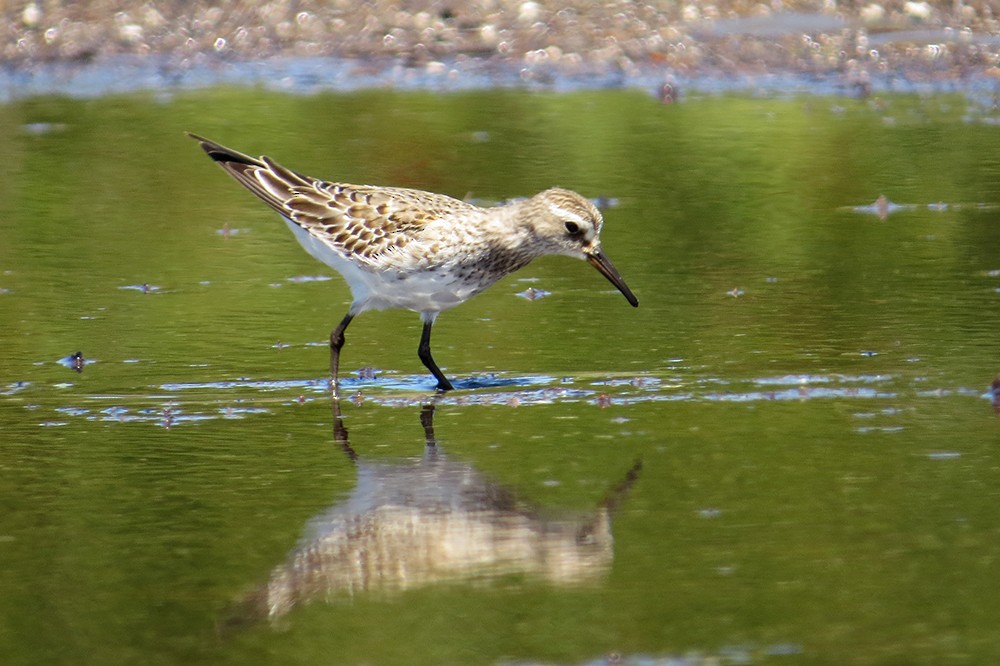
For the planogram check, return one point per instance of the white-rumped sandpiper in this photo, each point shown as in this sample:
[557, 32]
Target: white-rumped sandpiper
[403, 248]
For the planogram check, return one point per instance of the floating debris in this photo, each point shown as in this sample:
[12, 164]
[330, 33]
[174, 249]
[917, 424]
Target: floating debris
[74, 361]
[14, 387]
[881, 207]
[226, 231]
[145, 287]
[533, 294]
[73, 411]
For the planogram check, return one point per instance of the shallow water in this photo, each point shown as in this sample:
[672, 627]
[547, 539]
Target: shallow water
[785, 453]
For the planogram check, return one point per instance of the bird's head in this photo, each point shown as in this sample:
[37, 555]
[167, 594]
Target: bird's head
[570, 224]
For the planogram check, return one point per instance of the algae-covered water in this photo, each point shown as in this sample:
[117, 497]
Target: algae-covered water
[784, 455]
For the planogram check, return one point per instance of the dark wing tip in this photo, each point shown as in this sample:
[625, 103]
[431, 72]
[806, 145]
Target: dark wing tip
[220, 153]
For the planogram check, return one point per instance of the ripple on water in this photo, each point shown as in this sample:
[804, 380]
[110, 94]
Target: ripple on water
[180, 403]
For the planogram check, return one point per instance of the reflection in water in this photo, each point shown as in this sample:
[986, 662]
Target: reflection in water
[994, 394]
[408, 524]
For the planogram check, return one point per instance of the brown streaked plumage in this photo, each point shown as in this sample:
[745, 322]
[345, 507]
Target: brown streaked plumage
[418, 250]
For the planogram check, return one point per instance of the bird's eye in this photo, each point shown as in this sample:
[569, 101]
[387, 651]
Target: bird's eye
[572, 227]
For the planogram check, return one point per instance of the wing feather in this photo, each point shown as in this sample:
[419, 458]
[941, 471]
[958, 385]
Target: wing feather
[361, 220]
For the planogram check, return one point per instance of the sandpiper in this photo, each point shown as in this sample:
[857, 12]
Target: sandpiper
[403, 248]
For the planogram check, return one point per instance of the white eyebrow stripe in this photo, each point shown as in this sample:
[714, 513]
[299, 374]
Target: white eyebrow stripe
[564, 214]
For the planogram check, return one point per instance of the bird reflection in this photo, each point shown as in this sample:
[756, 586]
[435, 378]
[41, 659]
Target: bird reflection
[414, 523]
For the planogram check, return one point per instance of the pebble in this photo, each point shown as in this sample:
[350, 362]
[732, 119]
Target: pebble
[676, 37]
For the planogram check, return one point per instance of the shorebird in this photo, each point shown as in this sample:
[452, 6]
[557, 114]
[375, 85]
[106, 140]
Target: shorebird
[416, 250]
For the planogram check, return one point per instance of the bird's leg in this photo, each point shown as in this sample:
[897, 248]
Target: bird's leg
[424, 352]
[336, 342]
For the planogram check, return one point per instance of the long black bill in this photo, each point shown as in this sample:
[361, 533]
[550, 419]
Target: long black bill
[601, 262]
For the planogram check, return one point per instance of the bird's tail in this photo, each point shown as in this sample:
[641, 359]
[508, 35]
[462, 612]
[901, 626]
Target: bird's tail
[267, 179]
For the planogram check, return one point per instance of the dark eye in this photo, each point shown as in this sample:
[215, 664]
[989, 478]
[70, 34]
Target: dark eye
[572, 227]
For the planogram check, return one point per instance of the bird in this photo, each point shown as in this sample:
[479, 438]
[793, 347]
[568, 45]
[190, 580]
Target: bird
[420, 251]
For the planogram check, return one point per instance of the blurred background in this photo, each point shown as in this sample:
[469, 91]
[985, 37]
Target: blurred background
[786, 454]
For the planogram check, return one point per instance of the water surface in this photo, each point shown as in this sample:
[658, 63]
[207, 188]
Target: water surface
[798, 401]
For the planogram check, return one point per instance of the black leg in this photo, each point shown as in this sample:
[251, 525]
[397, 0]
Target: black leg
[336, 342]
[424, 352]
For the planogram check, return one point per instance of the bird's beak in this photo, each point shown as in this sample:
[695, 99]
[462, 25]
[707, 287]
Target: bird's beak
[600, 261]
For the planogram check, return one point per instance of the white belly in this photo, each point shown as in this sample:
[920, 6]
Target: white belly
[374, 289]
